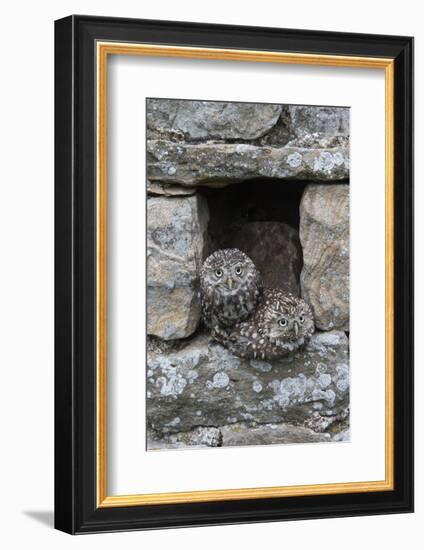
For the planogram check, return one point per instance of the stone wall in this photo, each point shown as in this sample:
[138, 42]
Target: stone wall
[192, 143]
[271, 180]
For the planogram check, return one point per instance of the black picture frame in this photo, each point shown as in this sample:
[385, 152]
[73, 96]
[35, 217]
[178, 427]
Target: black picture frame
[76, 510]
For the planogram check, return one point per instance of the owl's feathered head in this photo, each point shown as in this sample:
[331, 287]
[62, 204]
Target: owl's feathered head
[286, 318]
[228, 270]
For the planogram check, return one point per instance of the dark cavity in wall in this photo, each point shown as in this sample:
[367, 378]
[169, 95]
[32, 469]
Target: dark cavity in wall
[261, 218]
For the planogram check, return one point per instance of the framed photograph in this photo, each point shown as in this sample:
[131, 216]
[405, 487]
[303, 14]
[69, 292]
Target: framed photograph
[234, 269]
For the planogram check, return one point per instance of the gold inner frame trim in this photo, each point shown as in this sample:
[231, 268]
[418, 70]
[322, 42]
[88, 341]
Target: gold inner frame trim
[103, 50]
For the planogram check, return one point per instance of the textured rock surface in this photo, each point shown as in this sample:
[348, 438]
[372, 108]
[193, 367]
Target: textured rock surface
[317, 126]
[176, 236]
[223, 163]
[217, 143]
[324, 234]
[277, 125]
[269, 434]
[199, 437]
[218, 120]
[241, 434]
[275, 249]
[157, 189]
[201, 384]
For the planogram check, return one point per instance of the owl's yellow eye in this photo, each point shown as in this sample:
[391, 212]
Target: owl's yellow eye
[283, 322]
[239, 270]
[218, 273]
[301, 319]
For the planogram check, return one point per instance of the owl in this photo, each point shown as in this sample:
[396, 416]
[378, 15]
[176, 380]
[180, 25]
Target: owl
[230, 286]
[281, 324]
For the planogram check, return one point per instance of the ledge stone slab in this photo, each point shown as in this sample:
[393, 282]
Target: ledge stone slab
[218, 164]
[202, 384]
[240, 435]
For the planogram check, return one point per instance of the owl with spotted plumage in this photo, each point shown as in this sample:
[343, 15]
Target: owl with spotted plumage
[230, 287]
[282, 323]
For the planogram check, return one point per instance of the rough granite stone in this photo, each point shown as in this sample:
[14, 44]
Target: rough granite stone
[209, 120]
[157, 189]
[241, 434]
[176, 236]
[273, 124]
[274, 248]
[269, 434]
[189, 164]
[202, 384]
[324, 234]
[199, 437]
[317, 126]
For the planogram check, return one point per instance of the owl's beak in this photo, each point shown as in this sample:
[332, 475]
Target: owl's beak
[230, 283]
[296, 328]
